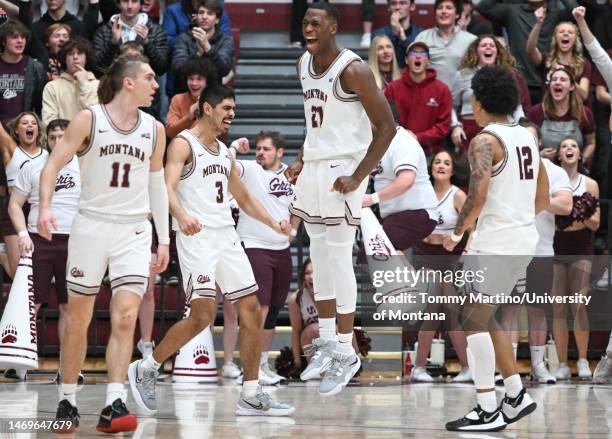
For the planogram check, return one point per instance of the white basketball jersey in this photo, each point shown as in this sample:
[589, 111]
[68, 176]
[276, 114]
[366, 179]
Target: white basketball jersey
[65, 200]
[506, 224]
[448, 213]
[276, 194]
[115, 168]
[19, 158]
[336, 123]
[203, 188]
[545, 221]
[405, 153]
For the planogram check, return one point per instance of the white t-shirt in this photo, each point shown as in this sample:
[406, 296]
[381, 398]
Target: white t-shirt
[276, 194]
[405, 153]
[545, 221]
[65, 201]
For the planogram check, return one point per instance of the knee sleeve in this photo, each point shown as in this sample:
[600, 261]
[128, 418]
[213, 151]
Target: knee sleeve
[339, 240]
[322, 280]
[272, 317]
[481, 360]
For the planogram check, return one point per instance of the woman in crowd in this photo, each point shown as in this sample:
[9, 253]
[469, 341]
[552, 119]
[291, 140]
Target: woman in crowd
[383, 62]
[562, 114]
[25, 143]
[431, 254]
[485, 50]
[574, 236]
[565, 50]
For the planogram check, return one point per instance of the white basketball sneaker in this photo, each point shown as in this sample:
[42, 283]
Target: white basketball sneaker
[265, 368]
[464, 376]
[321, 359]
[262, 405]
[516, 408]
[563, 372]
[145, 348]
[230, 370]
[420, 375]
[541, 374]
[603, 371]
[584, 371]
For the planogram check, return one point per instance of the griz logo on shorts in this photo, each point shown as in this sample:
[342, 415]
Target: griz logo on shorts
[380, 250]
[64, 182]
[76, 272]
[278, 188]
[203, 278]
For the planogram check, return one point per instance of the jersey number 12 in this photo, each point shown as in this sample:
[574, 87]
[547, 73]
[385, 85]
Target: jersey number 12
[525, 162]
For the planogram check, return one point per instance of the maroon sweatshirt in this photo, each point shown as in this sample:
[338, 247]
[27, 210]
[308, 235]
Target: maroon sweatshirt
[424, 109]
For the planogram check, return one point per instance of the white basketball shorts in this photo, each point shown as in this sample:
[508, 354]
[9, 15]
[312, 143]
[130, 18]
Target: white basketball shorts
[496, 274]
[215, 256]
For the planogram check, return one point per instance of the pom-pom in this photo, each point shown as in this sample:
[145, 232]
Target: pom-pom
[364, 342]
[584, 206]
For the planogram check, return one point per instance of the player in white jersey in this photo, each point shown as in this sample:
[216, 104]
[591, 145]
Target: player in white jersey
[48, 258]
[404, 193]
[200, 175]
[120, 151]
[23, 144]
[341, 99]
[268, 251]
[508, 187]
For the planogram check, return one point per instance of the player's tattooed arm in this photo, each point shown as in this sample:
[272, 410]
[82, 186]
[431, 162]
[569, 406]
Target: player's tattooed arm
[358, 78]
[480, 156]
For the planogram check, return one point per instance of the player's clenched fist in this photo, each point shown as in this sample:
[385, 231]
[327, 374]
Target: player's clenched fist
[189, 225]
[283, 227]
[292, 172]
[46, 223]
[347, 184]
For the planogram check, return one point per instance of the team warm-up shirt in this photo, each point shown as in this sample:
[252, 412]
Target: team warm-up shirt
[275, 193]
[506, 224]
[115, 168]
[558, 181]
[19, 158]
[405, 153]
[65, 200]
[203, 188]
[336, 123]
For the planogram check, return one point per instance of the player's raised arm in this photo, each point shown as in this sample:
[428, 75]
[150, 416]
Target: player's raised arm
[542, 200]
[251, 206]
[358, 79]
[75, 137]
[179, 155]
[158, 199]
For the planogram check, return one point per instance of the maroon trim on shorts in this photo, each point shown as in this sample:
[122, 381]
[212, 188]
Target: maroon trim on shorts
[17, 347]
[81, 294]
[17, 356]
[241, 297]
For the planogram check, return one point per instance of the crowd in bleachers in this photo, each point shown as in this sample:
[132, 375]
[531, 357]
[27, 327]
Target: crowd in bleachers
[54, 53]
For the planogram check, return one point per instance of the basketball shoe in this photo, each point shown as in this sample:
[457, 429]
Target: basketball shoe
[321, 359]
[262, 405]
[116, 418]
[603, 371]
[479, 420]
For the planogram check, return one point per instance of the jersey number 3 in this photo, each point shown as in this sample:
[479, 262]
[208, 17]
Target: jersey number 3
[317, 121]
[125, 180]
[219, 186]
[525, 162]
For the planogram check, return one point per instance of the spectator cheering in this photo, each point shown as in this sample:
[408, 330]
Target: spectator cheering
[76, 89]
[423, 102]
[131, 25]
[400, 30]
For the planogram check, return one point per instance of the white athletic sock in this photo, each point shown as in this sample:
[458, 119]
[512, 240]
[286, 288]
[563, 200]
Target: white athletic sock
[114, 391]
[249, 388]
[327, 329]
[263, 359]
[513, 385]
[345, 343]
[609, 348]
[487, 401]
[515, 348]
[67, 392]
[149, 363]
[537, 355]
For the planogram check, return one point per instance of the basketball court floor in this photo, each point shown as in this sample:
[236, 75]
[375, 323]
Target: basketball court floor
[369, 408]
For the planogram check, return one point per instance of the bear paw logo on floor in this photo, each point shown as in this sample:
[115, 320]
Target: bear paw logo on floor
[200, 355]
[9, 334]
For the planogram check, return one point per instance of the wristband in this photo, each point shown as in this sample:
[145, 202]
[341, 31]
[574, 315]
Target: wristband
[23, 234]
[375, 198]
[456, 238]
[293, 233]
[163, 241]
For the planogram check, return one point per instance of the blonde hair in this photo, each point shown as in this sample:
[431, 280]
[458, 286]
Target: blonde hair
[12, 125]
[577, 63]
[503, 58]
[396, 73]
[575, 102]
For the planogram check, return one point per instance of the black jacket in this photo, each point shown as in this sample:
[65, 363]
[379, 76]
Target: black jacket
[35, 81]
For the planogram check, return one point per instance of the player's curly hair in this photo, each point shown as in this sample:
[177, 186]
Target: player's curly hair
[496, 90]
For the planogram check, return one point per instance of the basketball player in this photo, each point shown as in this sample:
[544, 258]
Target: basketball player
[48, 258]
[341, 99]
[120, 151]
[268, 252]
[508, 187]
[200, 175]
